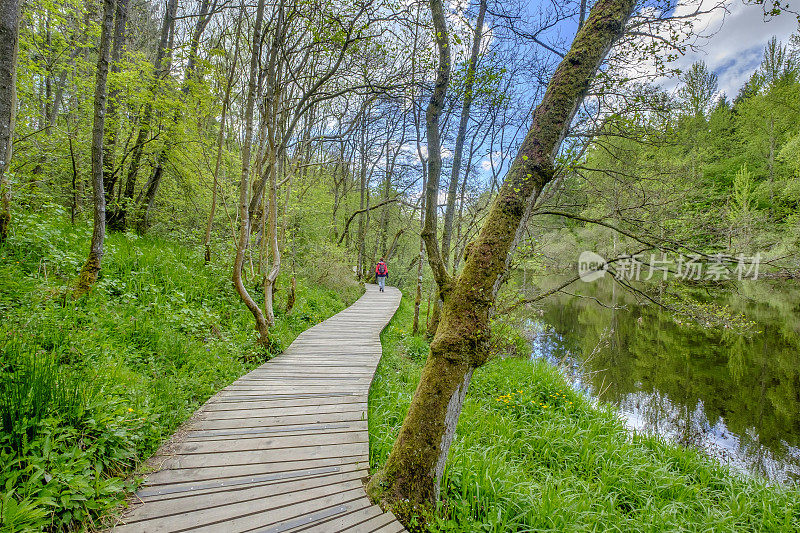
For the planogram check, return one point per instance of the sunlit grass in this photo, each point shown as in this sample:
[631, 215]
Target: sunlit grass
[531, 454]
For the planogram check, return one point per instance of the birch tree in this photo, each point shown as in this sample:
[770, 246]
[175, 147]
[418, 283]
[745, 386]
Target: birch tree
[244, 183]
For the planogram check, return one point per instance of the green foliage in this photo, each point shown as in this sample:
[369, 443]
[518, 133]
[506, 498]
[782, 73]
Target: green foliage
[32, 385]
[507, 339]
[694, 169]
[532, 454]
[742, 197]
[91, 387]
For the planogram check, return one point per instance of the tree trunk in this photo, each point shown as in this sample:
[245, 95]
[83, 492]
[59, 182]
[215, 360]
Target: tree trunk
[275, 163]
[112, 127]
[244, 184]
[461, 135]
[418, 290]
[221, 138]
[9, 37]
[122, 213]
[272, 239]
[363, 190]
[91, 269]
[413, 469]
[291, 298]
[74, 193]
[457, 256]
[432, 115]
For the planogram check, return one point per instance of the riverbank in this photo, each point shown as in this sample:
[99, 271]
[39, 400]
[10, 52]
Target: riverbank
[90, 388]
[531, 453]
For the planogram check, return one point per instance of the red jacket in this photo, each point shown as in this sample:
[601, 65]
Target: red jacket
[378, 266]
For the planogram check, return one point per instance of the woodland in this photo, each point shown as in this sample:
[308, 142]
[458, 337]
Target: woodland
[186, 185]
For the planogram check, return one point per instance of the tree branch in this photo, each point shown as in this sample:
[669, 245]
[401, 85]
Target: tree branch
[359, 211]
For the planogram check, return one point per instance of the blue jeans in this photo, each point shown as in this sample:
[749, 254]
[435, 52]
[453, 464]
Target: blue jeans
[381, 281]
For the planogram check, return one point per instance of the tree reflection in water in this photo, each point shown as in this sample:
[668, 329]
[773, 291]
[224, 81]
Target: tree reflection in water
[735, 397]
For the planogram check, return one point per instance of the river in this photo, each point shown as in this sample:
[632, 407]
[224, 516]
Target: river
[737, 397]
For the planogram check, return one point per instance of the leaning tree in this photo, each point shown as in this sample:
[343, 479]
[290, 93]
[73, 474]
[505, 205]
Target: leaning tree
[416, 463]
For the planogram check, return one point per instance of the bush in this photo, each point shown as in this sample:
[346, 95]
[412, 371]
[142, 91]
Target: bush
[328, 265]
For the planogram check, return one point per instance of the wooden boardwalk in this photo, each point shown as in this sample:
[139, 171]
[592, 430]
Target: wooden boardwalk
[285, 448]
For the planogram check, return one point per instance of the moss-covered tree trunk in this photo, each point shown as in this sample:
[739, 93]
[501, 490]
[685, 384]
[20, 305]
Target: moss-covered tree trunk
[91, 269]
[414, 467]
[9, 37]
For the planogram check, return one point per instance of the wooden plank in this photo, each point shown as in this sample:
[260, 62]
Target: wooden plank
[207, 434]
[281, 420]
[345, 522]
[235, 457]
[270, 494]
[208, 473]
[270, 520]
[391, 527]
[233, 489]
[272, 442]
[373, 524]
[243, 515]
[300, 407]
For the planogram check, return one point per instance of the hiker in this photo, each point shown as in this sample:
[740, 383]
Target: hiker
[381, 273]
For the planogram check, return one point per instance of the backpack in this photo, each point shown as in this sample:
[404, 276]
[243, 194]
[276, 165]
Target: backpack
[381, 270]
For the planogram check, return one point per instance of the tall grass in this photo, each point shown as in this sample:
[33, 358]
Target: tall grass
[91, 387]
[531, 454]
[32, 385]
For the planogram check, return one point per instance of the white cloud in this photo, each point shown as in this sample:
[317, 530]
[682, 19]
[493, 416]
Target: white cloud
[736, 43]
[497, 157]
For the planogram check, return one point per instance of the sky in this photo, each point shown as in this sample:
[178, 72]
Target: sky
[735, 45]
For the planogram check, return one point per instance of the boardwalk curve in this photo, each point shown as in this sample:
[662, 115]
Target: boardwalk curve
[283, 449]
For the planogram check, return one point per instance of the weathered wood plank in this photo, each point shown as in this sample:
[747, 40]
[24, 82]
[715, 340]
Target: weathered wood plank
[280, 420]
[374, 524]
[208, 473]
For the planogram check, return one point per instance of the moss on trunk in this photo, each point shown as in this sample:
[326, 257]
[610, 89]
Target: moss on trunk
[89, 274]
[5, 222]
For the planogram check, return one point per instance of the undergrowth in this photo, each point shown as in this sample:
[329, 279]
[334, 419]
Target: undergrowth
[91, 387]
[532, 454]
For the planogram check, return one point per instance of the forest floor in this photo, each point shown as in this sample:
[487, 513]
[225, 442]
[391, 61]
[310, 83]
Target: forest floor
[532, 454]
[89, 388]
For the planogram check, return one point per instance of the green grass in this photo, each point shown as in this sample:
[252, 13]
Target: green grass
[531, 454]
[90, 388]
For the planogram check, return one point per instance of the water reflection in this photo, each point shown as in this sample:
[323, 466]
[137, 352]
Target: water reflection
[736, 398]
